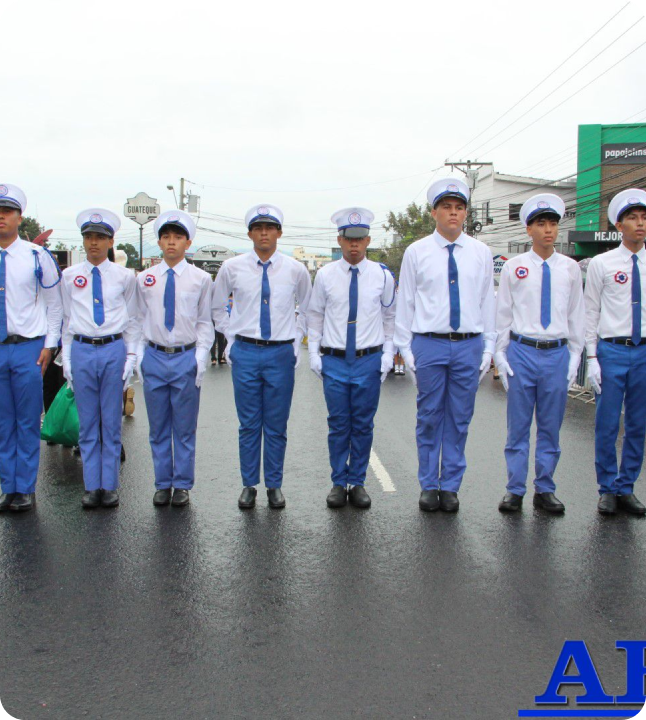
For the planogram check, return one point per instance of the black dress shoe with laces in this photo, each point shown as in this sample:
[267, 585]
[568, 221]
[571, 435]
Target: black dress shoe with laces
[449, 501]
[429, 500]
[22, 502]
[275, 498]
[247, 498]
[607, 504]
[5, 500]
[337, 497]
[548, 501]
[511, 503]
[358, 497]
[162, 496]
[630, 504]
[180, 497]
[91, 499]
[110, 498]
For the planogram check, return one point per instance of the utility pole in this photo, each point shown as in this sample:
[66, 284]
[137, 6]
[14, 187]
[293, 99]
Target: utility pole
[471, 171]
[182, 204]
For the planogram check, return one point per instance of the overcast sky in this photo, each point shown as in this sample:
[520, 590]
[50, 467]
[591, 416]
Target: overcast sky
[312, 107]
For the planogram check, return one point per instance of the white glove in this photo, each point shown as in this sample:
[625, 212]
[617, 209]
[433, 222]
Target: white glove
[386, 365]
[128, 369]
[409, 359]
[504, 369]
[594, 374]
[297, 352]
[227, 351]
[485, 364]
[140, 359]
[201, 369]
[573, 369]
[316, 365]
[67, 365]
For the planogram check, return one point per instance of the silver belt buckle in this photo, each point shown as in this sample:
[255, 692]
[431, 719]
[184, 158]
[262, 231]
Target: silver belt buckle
[169, 350]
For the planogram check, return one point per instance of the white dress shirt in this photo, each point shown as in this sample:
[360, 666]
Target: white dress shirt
[423, 303]
[327, 316]
[118, 285]
[32, 310]
[518, 304]
[289, 282]
[192, 307]
[608, 295]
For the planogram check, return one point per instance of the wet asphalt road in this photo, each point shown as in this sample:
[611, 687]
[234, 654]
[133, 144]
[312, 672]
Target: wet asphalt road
[208, 611]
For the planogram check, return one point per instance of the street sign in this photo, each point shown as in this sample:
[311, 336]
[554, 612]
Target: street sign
[141, 208]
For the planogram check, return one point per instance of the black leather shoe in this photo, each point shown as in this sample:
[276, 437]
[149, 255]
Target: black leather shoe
[449, 501]
[162, 496]
[337, 497]
[548, 501]
[429, 500]
[180, 497]
[247, 498]
[91, 499]
[275, 498]
[607, 504]
[110, 498]
[511, 503]
[358, 497]
[22, 502]
[630, 504]
[5, 500]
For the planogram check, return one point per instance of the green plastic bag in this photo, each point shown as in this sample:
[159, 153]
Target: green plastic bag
[61, 423]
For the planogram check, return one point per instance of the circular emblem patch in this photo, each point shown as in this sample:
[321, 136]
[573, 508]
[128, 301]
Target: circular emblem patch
[542, 205]
[149, 280]
[621, 277]
[354, 218]
[522, 273]
[634, 201]
[453, 188]
[3, 190]
[80, 281]
[262, 210]
[173, 218]
[96, 218]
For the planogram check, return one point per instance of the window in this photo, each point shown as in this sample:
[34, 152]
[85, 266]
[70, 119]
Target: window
[514, 211]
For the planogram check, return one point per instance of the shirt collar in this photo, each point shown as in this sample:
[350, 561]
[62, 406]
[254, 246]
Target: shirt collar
[538, 260]
[628, 254]
[178, 269]
[103, 267]
[362, 265]
[443, 242]
[275, 259]
[15, 247]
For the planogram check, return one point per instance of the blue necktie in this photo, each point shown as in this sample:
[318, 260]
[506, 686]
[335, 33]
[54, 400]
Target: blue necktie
[169, 300]
[636, 303]
[454, 290]
[265, 318]
[546, 296]
[97, 296]
[351, 338]
[3, 296]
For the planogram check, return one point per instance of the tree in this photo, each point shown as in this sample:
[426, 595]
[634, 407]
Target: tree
[131, 252]
[29, 229]
[60, 245]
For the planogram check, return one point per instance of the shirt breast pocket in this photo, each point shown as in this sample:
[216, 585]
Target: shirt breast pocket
[188, 304]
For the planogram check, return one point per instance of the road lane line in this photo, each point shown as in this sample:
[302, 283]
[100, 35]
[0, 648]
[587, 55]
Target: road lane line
[381, 473]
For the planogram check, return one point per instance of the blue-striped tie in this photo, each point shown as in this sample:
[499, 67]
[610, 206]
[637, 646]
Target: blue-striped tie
[265, 295]
[636, 303]
[454, 290]
[351, 337]
[169, 300]
[97, 297]
[546, 296]
[3, 296]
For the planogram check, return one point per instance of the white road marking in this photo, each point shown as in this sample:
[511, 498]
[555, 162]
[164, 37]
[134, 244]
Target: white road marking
[381, 473]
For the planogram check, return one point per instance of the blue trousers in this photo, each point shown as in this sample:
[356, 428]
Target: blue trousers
[539, 383]
[623, 381]
[98, 387]
[21, 389]
[263, 384]
[447, 382]
[173, 403]
[352, 396]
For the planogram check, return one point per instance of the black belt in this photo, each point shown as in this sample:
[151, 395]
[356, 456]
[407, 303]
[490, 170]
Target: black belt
[452, 336]
[624, 341]
[336, 352]
[253, 341]
[98, 340]
[172, 350]
[538, 344]
[15, 339]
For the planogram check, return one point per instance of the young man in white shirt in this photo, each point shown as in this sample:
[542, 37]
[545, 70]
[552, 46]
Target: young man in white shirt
[263, 346]
[30, 326]
[445, 330]
[100, 341]
[350, 321]
[177, 334]
[616, 347]
[540, 319]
